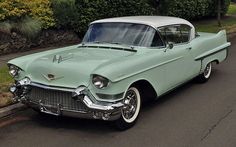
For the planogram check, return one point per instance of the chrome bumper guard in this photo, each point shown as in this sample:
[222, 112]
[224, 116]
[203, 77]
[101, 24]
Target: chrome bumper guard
[96, 109]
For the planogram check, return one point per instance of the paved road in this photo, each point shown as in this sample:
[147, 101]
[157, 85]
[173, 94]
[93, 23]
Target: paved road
[194, 115]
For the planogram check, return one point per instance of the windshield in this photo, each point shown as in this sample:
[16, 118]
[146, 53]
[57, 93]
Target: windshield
[121, 33]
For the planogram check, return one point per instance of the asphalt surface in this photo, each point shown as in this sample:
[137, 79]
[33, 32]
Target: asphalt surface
[194, 115]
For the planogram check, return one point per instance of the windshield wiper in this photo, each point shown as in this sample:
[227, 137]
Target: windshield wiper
[118, 43]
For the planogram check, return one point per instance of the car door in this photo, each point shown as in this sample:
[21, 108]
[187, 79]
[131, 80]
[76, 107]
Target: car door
[179, 62]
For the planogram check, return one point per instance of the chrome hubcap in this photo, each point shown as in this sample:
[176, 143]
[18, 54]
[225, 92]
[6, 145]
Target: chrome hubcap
[130, 104]
[207, 71]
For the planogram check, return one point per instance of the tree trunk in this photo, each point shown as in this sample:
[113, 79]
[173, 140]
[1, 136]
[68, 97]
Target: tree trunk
[219, 13]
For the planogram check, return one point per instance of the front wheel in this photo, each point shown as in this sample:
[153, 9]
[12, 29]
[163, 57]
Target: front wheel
[205, 76]
[130, 110]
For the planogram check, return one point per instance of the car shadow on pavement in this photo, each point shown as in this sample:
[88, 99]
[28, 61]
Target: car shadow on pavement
[87, 125]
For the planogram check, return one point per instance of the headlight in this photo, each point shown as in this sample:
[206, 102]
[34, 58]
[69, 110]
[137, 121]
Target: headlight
[14, 70]
[99, 81]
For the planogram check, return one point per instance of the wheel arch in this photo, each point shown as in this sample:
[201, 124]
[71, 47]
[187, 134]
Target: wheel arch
[205, 61]
[146, 89]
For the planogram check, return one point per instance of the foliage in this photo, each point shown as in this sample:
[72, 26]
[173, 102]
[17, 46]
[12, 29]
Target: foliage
[232, 9]
[26, 26]
[192, 9]
[65, 13]
[213, 7]
[16, 10]
[77, 14]
[210, 25]
[5, 82]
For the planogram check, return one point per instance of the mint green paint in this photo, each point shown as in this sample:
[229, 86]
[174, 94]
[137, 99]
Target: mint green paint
[163, 68]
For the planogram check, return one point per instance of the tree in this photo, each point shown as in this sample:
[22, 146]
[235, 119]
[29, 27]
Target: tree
[219, 3]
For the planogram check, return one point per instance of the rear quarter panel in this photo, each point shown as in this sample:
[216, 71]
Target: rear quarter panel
[210, 47]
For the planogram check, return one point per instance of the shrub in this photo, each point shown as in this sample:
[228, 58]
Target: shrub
[15, 10]
[191, 9]
[77, 14]
[214, 4]
[12, 9]
[65, 13]
[26, 26]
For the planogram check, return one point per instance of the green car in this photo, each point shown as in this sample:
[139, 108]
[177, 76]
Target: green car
[120, 63]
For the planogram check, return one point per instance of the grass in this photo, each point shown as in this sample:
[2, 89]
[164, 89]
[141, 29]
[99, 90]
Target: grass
[5, 82]
[228, 23]
[232, 9]
[211, 25]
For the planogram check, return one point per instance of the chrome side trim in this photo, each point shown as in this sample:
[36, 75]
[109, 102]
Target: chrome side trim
[213, 51]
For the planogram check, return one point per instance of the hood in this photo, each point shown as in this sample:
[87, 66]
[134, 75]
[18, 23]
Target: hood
[69, 67]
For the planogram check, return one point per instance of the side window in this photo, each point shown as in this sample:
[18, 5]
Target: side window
[185, 32]
[175, 33]
[157, 42]
[171, 34]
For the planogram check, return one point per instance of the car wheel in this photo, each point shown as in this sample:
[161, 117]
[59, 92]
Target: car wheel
[205, 76]
[130, 110]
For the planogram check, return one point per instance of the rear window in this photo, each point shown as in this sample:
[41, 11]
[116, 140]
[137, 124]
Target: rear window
[175, 33]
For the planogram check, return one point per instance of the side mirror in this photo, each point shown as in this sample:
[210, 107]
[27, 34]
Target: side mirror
[170, 45]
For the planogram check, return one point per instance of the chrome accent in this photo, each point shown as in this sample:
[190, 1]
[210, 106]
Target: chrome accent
[52, 87]
[207, 70]
[87, 101]
[14, 71]
[90, 101]
[130, 105]
[43, 108]
[55, 97]
[58, 102]
[51, 77]
[25, 81]
[59, 58]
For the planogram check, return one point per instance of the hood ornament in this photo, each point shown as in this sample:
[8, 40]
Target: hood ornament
[59, 58]
[51, 77]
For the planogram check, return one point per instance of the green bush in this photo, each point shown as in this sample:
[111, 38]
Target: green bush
[213, 7]
[77, 14]
[192, 9]
[15, 10]
[26, 26]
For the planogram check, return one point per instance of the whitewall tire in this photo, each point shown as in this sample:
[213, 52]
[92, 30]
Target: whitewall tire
[205, 76]
[130, 110]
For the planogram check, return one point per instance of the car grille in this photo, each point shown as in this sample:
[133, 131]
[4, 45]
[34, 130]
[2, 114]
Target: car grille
[55, 97]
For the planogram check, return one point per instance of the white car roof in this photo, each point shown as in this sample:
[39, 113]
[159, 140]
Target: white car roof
[154, 21]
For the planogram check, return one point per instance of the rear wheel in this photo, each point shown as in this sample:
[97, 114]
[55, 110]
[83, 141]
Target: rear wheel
[205, 76]
[130, 110]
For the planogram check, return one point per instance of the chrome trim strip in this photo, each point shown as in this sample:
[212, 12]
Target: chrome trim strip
[212, 51]
[200, 58]
[52, 87]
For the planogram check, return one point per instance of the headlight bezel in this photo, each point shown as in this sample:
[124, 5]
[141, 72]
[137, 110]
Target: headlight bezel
[14, 70]
[100, 82]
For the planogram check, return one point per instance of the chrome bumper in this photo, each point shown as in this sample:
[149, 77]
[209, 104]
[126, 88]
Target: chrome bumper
[95, 109]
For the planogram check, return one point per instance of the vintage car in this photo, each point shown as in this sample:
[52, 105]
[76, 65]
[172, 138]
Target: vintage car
[120, 63]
